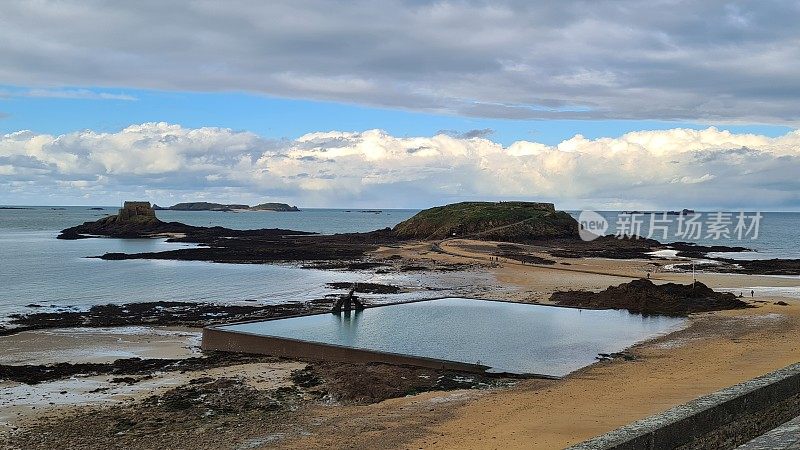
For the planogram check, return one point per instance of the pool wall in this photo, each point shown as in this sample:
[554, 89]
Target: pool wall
[217, 339]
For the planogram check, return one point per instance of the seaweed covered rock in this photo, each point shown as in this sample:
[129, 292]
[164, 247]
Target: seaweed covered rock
[643, 296]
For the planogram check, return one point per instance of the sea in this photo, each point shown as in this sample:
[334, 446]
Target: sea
[39, 272]
[768, 235]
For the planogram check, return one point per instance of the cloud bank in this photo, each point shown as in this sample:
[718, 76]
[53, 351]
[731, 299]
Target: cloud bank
[711, 61]
[167, 163]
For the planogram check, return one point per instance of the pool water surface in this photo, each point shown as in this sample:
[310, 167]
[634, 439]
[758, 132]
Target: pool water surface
[508, 337]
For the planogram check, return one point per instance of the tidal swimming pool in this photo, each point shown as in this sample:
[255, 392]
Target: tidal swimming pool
[507, 337]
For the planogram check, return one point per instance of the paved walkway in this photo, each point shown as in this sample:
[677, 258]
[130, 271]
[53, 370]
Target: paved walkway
[785, 437]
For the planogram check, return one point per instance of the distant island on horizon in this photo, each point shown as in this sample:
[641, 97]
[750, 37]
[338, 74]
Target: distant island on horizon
[207, 206]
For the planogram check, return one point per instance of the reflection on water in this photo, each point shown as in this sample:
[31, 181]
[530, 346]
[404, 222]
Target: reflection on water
[509, 337]
[347, 327]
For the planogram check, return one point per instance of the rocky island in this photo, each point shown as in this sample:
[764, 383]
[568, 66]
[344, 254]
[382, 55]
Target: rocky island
[280, 207]
[200, 206]
[137, 219]
[207, 206]
[498, 221]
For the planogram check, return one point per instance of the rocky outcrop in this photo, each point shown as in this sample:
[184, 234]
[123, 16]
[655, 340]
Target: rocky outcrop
[496, 221]
[643, 296]
[138, 220]
[134, 220]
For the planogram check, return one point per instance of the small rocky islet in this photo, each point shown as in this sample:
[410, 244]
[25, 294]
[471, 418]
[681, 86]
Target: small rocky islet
[138, 220]
[207, 206]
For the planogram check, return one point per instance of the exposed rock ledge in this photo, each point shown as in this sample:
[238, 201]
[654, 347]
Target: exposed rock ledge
[138, 220]
[643, 296]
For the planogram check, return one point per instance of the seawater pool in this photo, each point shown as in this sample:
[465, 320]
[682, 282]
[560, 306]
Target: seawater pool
[508, 337]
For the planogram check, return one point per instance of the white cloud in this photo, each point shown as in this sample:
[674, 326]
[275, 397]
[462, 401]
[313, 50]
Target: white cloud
[168, 163]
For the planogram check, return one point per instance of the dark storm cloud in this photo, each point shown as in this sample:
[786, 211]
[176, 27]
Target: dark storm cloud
[711, 60]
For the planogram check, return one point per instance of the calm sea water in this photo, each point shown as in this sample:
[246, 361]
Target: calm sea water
[36, 268]
[508, 337]
[778, 234]
[316, 220]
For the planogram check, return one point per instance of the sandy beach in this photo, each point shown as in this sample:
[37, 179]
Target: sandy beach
[715, 350]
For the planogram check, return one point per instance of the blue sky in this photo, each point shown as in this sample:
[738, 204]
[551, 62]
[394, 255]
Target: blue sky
[273, 117]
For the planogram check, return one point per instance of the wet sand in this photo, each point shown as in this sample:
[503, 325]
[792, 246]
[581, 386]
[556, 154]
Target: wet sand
[99, 345]
[20, 403]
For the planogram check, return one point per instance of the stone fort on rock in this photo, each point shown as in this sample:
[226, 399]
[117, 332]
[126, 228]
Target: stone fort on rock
[136, 211]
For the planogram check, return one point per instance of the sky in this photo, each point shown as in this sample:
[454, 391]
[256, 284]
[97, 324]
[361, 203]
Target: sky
[589, 104]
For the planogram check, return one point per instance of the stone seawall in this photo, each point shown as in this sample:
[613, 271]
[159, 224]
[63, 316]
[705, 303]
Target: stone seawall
[723, 419]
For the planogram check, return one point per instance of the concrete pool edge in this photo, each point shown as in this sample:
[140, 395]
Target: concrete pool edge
[242, 342]
[218, 338]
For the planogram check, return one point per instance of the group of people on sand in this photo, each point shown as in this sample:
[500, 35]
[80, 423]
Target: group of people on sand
[497, 259]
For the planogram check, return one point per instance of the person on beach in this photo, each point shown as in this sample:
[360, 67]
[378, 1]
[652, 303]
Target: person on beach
[752, 293]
